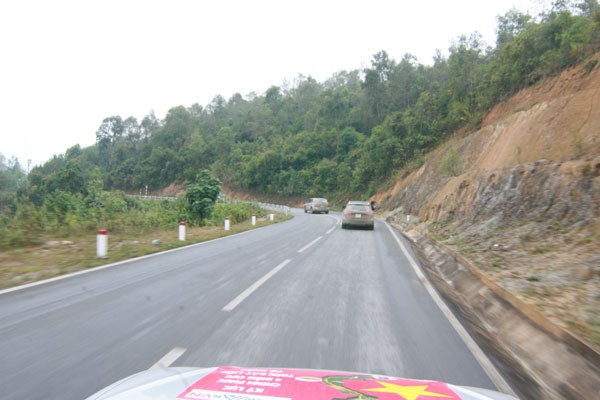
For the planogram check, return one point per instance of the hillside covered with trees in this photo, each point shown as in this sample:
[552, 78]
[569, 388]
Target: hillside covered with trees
[347, 136]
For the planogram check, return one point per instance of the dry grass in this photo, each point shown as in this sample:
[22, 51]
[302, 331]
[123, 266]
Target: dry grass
[70, 254]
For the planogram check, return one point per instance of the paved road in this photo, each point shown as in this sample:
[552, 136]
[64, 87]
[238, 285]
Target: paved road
[303, 293]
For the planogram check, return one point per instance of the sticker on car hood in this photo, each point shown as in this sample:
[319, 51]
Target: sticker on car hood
[233, 383]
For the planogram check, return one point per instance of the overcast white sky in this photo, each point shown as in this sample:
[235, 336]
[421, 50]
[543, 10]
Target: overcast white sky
[66, 65]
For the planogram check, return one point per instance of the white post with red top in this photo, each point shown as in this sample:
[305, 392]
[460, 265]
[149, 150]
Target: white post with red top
[226, 223]
[181, 231]
[102, 243]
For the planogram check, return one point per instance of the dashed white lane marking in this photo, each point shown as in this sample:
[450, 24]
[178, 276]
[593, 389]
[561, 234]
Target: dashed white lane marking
[310, 244]
[235, 302]
[479, 355]
[331, 230]
[169, 358]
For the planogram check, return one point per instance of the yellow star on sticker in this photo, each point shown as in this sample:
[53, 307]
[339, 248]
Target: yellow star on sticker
[406, 392]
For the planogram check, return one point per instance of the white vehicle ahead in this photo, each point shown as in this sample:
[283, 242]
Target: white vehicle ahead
[316, 205]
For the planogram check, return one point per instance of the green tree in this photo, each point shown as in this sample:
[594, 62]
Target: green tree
[12, 179]
[177, 129]
[405, 83]
[588, 7]
[149, 126]
[375, 88]
[202, 195]
[110, 130]
[511, 24]
[462, 88]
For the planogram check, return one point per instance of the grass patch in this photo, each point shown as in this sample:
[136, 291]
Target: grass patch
[578, 148]
[58, 257]
[437, 236]
[591, 331]
[586, 240]
[496, 265]
[530, 292]
[542, 250]
[461, 246]
[412, 165]
[589, 66]
[451, 164]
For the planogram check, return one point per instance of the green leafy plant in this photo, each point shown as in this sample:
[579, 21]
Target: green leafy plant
[451, 164]
[589, 66]
[236, 211]
[542, 250]
[202, 195]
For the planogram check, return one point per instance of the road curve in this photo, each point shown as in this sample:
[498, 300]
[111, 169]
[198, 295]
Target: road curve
[304, 293]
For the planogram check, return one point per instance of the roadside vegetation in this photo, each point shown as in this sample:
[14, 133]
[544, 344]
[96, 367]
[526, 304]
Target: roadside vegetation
[62, 213]
[59, 235]
[53, 255]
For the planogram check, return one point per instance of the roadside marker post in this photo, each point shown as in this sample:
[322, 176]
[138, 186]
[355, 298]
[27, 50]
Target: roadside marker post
[272, 217]
[102, 243]
[253, 220]
[181, 231]
[226, 223]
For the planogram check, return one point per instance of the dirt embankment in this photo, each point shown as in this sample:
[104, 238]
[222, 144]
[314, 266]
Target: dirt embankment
[519, 199]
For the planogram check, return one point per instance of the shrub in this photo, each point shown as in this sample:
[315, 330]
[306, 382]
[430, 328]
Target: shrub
[451, 164]
[237, 211]
[589, 66]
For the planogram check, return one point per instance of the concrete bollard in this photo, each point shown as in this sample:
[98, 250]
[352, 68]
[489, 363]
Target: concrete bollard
[102, 243]
[253, 220]
[226, 223]
[181, 231]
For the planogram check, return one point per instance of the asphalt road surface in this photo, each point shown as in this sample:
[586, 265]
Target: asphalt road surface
[299, 294]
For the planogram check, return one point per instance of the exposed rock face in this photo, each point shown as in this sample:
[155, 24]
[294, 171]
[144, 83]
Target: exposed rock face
[523, 203]
[550, 193]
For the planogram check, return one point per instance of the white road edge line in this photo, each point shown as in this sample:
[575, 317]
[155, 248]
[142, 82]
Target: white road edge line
[310, 244]
[479, 355]
[169, 358]
[117, 263]
[242, 296]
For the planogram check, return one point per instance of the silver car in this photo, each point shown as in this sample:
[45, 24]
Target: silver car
[224, 383]
[358, 214]
[316, 205]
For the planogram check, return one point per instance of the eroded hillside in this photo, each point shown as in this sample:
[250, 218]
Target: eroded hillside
[520, 197]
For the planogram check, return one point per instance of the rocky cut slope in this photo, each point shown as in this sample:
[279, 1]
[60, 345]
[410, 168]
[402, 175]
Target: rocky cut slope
[520, 198]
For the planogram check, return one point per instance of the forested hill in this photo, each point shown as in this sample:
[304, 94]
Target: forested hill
[342, 137]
